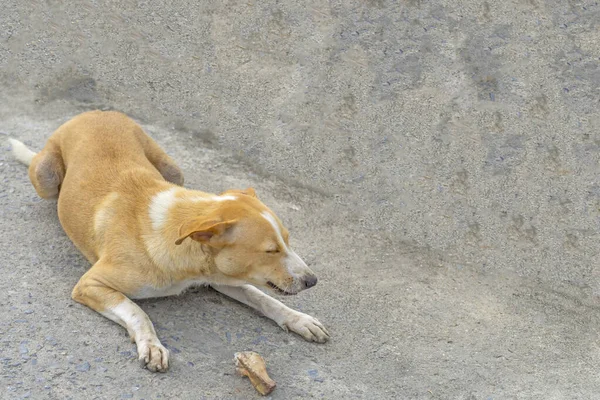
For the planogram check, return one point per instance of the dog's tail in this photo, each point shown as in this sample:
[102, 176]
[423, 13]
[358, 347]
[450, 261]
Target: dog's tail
[21, 152]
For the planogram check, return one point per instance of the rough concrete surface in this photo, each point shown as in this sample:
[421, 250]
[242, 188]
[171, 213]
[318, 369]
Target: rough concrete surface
[436, 163]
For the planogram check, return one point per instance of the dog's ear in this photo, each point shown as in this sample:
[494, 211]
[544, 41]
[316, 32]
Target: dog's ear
[248, 192]
[204, 231]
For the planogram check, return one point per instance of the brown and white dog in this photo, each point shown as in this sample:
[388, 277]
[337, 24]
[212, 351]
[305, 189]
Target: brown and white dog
[121, 202]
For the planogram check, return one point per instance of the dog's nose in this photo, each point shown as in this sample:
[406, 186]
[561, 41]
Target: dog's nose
[310, 281]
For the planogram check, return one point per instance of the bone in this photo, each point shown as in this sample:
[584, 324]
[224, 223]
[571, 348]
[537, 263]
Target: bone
[252, 365]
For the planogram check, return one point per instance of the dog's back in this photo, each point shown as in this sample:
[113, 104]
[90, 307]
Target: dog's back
[88, 158]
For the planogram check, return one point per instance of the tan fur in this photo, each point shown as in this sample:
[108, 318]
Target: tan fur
[121, 203]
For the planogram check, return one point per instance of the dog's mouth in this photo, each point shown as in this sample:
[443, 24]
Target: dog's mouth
[278, 289]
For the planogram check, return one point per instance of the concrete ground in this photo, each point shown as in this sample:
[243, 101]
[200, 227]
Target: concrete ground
[435, 161]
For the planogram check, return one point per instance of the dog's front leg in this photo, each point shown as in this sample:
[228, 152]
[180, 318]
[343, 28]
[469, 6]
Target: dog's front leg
[114, 305]
[304, 325]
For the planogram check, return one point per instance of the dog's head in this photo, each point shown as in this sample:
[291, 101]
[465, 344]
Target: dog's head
[249, 243]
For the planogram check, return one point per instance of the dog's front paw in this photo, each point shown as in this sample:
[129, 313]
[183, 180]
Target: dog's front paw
[306, 326]
[153, 355]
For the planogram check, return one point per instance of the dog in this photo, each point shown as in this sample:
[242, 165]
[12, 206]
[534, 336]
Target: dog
[122, 202]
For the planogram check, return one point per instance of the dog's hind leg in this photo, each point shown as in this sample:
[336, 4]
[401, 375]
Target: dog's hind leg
[46, 172]
[46, 168]
[92, 291]
[304, 325]
[162, 162]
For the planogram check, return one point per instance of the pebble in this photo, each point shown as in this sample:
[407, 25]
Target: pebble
[83, 367]
[314, 375]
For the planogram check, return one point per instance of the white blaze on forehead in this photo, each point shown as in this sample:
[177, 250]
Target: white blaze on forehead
[275, 226]
[159, 207]
[294, 264]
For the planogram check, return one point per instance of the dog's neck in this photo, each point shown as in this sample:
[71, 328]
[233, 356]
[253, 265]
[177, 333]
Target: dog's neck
[168, 210]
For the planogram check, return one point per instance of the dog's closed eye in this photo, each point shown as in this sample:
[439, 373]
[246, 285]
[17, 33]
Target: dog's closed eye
[273, 251]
